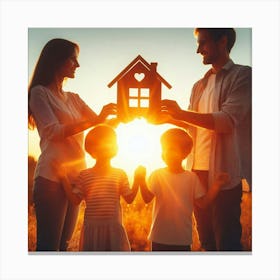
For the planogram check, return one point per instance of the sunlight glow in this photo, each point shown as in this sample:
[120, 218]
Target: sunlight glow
[139, 144]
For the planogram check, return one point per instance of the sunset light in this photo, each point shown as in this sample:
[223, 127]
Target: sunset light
[144, 67]
[115, 70]
[139, 144]
[138, 140]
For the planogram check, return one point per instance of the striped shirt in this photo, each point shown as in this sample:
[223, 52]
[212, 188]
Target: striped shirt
[102, 192]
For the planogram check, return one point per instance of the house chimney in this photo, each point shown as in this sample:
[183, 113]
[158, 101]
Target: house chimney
[153, 66]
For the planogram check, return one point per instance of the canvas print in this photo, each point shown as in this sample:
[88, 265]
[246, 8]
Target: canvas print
[140, 140]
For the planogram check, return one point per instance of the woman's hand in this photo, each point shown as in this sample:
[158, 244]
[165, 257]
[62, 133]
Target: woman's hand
[114, 122]
[107, 110]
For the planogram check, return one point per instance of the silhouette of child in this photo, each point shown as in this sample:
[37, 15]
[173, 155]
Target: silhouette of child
[175, 191]
[101, 187]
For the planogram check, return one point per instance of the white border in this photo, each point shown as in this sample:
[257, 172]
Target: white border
[17, 16]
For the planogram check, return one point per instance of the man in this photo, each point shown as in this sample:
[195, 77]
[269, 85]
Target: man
[219, 119]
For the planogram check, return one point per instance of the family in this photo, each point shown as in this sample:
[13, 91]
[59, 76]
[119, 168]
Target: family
[214, 133]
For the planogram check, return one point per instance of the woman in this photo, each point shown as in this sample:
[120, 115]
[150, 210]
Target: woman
[60, 118]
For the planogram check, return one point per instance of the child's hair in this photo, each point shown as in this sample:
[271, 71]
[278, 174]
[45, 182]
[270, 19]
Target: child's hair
[102, 138]
[178, 137]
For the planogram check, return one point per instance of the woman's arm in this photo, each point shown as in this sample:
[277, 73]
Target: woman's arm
[50, 126]
[71, 129]
[74, 198]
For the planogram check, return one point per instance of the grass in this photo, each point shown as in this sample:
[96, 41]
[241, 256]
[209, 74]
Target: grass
[137, 220]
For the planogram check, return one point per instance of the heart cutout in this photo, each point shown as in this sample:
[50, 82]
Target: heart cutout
[139, 76]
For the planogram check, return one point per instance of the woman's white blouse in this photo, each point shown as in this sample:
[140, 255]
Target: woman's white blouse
[52, 113]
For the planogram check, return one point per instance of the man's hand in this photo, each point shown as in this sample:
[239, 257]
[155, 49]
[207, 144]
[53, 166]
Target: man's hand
[161, 118]
[171, 107]
[222, 179]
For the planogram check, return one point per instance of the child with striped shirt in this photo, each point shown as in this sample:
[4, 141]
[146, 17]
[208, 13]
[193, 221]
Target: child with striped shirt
[101, 187]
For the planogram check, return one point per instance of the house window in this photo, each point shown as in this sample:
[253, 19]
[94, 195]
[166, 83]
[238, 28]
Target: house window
[139, 97]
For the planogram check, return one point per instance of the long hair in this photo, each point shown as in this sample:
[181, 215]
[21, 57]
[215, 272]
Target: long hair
[52, 57]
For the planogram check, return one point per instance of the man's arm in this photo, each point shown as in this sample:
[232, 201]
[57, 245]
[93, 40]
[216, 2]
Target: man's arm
[190, 117]
[206, 200]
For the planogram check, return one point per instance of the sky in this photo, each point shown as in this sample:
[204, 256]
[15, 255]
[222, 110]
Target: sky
[105, 52]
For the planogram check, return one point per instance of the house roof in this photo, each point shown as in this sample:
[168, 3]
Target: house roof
[138, 59]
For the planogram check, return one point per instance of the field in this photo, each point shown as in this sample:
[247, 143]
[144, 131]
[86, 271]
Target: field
[137, 220]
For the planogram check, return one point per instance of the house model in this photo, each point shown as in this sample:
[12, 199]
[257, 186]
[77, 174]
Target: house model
[138, 90]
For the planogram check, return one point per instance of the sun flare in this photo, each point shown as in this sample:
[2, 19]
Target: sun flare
[139, 144]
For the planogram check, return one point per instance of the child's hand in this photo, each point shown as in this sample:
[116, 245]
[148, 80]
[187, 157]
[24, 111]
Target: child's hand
[222, 178]
[140, 174]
